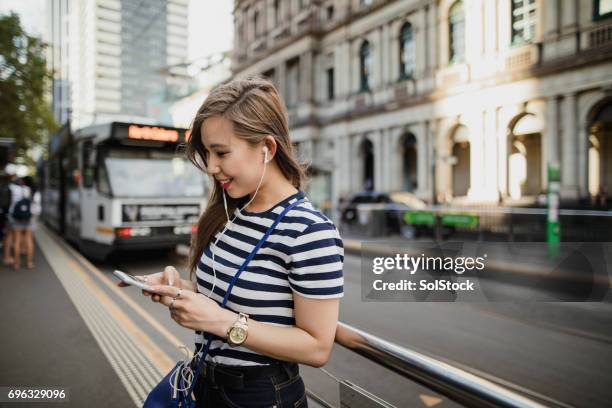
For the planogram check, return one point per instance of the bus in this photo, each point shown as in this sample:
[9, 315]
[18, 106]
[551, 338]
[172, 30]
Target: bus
[119, 187]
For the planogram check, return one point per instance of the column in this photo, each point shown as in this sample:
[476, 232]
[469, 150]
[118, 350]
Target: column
[550, 8]
[388, 157]
[376, 49]
[422, 159]
[281, 79]
[569, 162]
[306, 79]
[420, 38]
[378, 142]
[432, 38]
[583, 161]
[569, 15]
[491, 26]
[393, 61]
[491, 191]
[551, 134]
[386, 43]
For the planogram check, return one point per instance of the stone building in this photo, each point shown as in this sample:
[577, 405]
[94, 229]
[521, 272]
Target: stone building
[462, 101]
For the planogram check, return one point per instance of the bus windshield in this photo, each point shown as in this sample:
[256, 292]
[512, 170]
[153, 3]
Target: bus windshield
[157, 175]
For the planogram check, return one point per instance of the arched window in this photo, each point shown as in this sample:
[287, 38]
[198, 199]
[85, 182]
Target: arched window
[407, 57]
[456, 31]
[523, 21]
[365, 66]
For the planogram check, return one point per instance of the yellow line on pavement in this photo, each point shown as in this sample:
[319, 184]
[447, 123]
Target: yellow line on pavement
[157, 356]
[120, 293]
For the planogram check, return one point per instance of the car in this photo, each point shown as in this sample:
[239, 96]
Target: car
[393, 204]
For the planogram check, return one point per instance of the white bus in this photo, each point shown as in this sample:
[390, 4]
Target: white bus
[121, 186]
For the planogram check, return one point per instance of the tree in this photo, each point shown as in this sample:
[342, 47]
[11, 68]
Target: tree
[24, 80]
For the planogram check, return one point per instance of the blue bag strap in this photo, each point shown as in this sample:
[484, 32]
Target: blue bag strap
[235, 278]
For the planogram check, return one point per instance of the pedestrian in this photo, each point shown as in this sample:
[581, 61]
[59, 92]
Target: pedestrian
[5, 203]
[35, 210]
[20, 217]
[7, 240]
[283, 309]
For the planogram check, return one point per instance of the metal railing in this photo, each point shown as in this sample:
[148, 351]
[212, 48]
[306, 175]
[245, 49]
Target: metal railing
[454, 383]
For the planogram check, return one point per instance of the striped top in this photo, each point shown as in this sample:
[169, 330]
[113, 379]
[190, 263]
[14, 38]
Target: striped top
[304, 255]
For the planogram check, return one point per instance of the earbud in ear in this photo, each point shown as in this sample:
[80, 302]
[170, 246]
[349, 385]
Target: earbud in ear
[265, 150]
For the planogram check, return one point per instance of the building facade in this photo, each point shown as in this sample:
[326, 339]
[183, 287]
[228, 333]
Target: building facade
[457, 101]
[111, 58]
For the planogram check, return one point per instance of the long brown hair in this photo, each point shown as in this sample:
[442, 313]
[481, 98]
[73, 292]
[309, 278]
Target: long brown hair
[255, 110]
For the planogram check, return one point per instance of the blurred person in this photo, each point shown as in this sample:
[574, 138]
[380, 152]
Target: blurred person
[286, 301]
[6, 201]
[35, 210]
[20, 217]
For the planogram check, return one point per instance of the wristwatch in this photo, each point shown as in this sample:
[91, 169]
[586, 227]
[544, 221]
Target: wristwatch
[237, 333]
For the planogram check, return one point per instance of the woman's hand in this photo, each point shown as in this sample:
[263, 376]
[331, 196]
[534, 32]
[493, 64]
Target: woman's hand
[194, 310]
[169, 276]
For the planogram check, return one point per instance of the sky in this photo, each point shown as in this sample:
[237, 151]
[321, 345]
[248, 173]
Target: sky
[210, 23]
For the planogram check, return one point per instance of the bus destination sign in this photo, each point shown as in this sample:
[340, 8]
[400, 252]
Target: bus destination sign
[153, 133]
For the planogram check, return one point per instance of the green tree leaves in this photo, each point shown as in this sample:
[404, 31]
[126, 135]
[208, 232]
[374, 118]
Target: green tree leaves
[24, 81]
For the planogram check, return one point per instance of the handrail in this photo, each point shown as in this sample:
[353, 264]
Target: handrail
[456, 384]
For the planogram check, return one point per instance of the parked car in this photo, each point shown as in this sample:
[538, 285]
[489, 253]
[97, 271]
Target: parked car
[394, 205]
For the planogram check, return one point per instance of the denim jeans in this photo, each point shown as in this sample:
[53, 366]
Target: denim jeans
[283, 390]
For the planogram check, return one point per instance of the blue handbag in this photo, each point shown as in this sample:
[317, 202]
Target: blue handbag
[163, 395]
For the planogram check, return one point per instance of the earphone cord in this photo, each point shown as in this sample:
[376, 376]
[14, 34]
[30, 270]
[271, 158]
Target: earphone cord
[229, 222]
[185, 369]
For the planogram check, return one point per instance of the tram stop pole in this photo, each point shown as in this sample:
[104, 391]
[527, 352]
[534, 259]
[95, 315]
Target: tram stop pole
[553, 226]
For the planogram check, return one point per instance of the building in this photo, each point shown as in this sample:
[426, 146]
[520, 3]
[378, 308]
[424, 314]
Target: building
[111, 58]
[466, 102]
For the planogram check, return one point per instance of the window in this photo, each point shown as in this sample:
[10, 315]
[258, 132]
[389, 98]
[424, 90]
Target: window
[256, 24]
[602, 9]
[330, 12]
[269, 74]
[277, 16]
[330, 83]
[407, 57]
[457, 32]
[523, 21]
[365, 66]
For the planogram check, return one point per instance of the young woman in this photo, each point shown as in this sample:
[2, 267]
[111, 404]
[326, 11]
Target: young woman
[283, 308]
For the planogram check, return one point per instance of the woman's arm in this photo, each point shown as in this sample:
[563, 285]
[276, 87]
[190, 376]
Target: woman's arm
[310, 342]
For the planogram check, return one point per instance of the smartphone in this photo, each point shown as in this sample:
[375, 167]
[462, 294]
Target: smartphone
[131, 280]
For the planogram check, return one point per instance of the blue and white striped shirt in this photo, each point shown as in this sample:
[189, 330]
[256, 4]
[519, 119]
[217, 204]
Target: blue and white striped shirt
[304, 254]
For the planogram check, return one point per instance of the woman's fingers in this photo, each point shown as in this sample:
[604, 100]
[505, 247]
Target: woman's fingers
[169, 274]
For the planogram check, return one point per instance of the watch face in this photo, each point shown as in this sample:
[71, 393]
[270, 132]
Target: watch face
[237, 335]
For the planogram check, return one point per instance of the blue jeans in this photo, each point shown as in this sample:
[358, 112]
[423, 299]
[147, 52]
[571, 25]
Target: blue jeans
[281, 390]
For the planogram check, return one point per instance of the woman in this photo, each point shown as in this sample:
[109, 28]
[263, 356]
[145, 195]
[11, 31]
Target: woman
[290, 290]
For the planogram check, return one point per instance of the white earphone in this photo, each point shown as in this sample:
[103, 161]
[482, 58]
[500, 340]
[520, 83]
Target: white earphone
[265, 150]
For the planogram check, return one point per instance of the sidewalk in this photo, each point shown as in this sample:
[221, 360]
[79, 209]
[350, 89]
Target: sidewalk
[46, 343]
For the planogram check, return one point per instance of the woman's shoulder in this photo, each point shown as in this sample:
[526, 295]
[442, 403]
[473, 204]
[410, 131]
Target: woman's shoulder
[308, 215]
